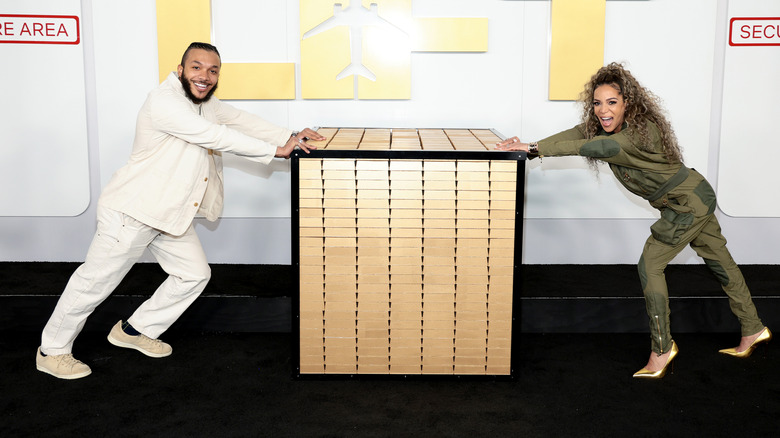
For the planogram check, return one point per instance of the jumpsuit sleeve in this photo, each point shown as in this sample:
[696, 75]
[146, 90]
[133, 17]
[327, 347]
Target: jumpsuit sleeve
[573, 142]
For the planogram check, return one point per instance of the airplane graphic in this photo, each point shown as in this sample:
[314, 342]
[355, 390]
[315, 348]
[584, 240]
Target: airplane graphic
[355, 16]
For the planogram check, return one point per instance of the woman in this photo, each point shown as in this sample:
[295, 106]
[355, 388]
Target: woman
[623, 124]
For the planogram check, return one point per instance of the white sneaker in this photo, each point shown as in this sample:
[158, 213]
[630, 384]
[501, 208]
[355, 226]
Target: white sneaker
[144, 344]
[61, 366]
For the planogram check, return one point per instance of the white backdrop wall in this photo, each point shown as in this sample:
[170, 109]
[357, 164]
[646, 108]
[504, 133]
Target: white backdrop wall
[678, 48]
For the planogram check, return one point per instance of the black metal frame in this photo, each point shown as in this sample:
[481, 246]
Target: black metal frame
[298, 155]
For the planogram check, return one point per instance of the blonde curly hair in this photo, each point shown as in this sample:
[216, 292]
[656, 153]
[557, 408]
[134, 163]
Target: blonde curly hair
[642, 106]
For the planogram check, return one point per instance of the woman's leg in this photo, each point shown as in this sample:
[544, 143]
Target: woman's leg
[655, 257]
[710, 245]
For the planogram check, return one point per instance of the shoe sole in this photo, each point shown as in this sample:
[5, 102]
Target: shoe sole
[63, 376]
[121, 344]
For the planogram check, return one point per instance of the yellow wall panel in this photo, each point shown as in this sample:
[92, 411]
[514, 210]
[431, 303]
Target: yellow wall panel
[431, 34]
[257, 81]
[180, 22]
[323, 57]
[384, 43]
[577, 47]
[397, 12]
[386, 52]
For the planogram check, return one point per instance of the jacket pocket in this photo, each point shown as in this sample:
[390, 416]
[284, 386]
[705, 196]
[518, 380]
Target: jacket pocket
[671, 227]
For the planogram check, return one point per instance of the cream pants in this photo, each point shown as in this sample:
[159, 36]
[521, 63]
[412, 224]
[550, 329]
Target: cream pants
[118, 244]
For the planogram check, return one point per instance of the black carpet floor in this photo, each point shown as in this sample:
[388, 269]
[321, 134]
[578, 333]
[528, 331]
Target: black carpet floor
[241, 384]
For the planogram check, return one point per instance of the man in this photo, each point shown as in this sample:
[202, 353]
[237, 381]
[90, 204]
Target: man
[174, 172]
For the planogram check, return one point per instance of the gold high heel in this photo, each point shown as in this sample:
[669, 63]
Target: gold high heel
[765, 336]
[644, 373]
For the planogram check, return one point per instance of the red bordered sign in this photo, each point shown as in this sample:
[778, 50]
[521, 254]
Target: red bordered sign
[39, 29]
[754, 31]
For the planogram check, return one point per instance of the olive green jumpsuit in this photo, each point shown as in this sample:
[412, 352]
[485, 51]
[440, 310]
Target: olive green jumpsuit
[686, 202]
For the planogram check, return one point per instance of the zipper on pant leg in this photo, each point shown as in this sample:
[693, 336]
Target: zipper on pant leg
[660, 340]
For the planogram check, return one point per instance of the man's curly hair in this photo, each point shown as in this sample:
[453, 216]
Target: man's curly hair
[642, 106]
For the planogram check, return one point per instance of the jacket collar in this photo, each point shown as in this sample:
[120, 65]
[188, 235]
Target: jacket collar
[602, 131]
[173, 82]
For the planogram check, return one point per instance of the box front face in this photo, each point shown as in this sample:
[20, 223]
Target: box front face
[406, 265]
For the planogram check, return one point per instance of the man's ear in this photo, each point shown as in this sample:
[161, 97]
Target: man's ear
[179, 70]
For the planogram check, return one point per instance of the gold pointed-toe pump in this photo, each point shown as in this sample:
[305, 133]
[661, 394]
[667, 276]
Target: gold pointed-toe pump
[765, 336]
[644, 373]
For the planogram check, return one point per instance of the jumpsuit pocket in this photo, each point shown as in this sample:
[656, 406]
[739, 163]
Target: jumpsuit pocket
[671, 227]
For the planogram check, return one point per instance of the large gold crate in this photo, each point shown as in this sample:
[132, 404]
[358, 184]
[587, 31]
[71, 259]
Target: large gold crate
[406, 244]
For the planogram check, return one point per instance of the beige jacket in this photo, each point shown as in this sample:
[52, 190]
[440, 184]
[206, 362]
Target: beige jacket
[175, 168]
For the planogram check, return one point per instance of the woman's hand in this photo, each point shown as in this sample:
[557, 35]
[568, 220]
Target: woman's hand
[512, 144]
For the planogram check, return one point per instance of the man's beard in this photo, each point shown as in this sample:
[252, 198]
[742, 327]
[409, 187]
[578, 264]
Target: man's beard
[187, 85]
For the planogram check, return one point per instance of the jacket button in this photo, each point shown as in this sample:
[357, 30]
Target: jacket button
[206, 179]
[196, 204]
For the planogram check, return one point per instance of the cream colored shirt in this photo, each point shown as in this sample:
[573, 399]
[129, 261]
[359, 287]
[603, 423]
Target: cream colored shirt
[175, 168]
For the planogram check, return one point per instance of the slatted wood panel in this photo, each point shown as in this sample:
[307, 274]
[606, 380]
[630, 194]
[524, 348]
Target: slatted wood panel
[406, 265]
[406, 139]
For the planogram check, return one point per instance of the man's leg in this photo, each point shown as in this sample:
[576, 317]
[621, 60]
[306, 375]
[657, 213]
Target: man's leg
[182, 257]
[118, 243]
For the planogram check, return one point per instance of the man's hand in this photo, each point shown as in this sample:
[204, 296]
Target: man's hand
[299, 140]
